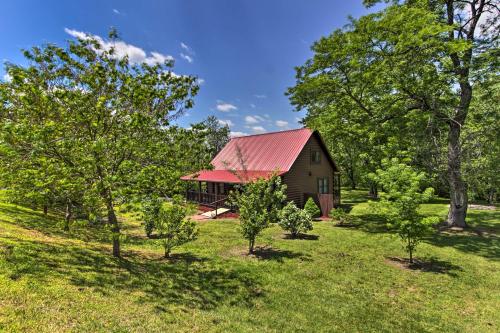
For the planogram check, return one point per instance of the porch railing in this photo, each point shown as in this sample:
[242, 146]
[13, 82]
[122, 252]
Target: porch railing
[208, 199]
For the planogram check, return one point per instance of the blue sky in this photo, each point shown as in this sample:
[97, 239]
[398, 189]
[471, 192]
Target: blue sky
[243, 51]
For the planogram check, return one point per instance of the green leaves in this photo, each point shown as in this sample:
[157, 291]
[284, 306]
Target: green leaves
[399, 204]
[259, 204]
[295, 220]
[172, 228]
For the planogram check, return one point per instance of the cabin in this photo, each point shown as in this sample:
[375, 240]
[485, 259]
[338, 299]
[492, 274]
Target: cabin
[300, 157]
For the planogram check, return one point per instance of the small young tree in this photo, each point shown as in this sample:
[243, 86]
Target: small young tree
[150, 211]
[295, 220]
[312, 208]
[259, 203]
[172, 227]
[403, 195]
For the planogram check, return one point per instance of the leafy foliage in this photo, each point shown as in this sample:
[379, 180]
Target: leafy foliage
[399, 204]
[173, 228]
[94, 118]
[218, 134]
[295, 220]
[399, 82]
[311, 208]
[259, 204]
[150, 211]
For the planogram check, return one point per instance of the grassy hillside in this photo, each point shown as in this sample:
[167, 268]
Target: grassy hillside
[338, 279]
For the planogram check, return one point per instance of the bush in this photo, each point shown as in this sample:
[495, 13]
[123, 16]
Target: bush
[259, 204]
[340, 215]
[150, 210]
[172, 227]
[311, 208]
[295, 220]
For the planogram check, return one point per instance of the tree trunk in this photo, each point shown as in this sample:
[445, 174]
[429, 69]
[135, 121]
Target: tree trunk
[458, 188]
[45, 209]
[251, 243]
[68, 215]
[491, 196]
[113, 221]
[373, 191]
[167, 252]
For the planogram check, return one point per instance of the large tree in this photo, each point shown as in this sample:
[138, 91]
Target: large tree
[90, 109]
[407, 69]
[218, 134]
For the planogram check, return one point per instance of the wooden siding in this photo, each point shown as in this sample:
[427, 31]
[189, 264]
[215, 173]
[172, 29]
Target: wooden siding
[303, 175]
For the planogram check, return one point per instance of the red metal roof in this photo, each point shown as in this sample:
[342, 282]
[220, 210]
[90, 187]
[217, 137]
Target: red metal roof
[260, 155]
[270, 151]
[226, 176]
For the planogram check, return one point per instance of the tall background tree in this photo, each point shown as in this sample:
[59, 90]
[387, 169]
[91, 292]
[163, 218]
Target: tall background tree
[218, 134]
[93, 115]
[402, 80]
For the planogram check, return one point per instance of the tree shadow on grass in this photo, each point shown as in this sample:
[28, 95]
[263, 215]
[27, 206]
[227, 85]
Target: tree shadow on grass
[469, 242]
[270, 253]
[432, 265]
[185, 280]
[481, 241]
[51, 225]
[301, 236]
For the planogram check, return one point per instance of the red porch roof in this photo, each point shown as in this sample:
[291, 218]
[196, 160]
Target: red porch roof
[226, 176]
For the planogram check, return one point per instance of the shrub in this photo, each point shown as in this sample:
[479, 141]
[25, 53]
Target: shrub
[150, 210]
[295, 220]
[311, 208]
[399, 204]
[340, 215]
[259, 203]
[172, 227]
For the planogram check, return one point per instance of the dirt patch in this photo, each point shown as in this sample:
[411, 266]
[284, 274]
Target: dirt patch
[267, 252]
[300, 236]
[482, 207]
[432, 265]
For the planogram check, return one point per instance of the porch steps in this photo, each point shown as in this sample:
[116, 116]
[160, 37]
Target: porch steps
[211, 214]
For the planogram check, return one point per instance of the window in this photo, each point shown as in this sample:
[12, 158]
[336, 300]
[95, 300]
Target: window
[323, 185]
[315, 157]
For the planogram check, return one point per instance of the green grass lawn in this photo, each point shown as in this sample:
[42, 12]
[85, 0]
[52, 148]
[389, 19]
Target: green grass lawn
[338, 280]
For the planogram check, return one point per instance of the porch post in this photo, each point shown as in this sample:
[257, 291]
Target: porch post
[199, 192]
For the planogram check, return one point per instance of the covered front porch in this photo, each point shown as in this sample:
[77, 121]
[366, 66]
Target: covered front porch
[210, 194]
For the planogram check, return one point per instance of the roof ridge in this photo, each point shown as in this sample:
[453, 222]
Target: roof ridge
[275, 132]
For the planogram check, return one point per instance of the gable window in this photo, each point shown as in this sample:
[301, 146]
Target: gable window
[315, 157]
[323, 185]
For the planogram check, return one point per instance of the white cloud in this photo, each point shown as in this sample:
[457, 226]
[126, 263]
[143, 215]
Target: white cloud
[255, 119]
[258, 129]
[253, 106]
[236, 134]
[281, 123]
[7, 77]
[251, 120]
[116, 11]
[187, 48]
[225, 107]
[188, 53]
[200, 81]
[186, 57]
[260, 96]
[135, 54]
[225, 122]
